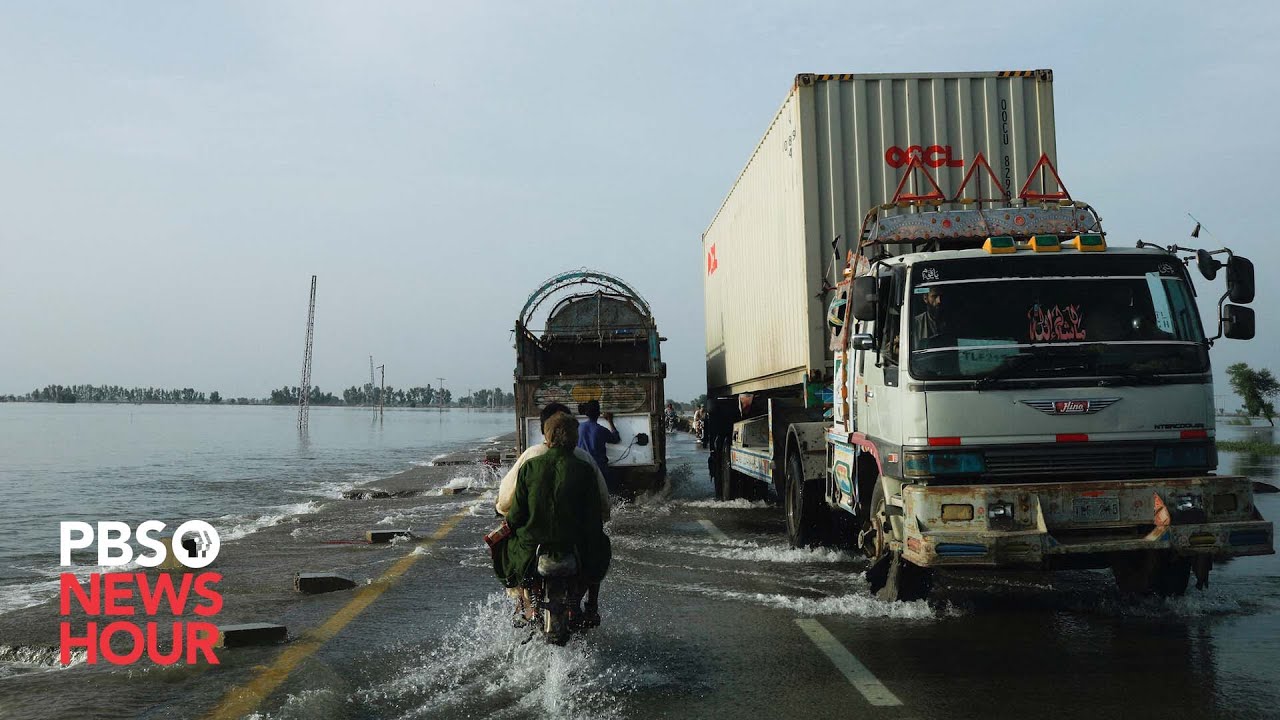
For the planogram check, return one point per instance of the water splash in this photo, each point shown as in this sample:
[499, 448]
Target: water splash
[481, 668]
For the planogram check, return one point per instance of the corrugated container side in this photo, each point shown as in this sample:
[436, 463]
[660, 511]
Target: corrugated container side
[865, 127]
[755, 244]
[837, 148]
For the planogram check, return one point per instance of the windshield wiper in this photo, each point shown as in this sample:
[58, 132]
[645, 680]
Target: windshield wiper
[1118, 379]
[1004, 370]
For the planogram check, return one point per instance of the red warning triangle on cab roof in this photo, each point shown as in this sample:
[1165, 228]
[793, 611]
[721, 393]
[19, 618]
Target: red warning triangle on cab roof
[979, 159]
[916, 164]
[1038, 171]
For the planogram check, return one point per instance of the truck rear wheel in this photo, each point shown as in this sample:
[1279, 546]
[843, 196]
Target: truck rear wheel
[891, 576]
[803, 505]
[1156, 572]
[728, 485]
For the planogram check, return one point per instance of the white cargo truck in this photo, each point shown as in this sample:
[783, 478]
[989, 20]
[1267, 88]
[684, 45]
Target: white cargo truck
[928, 350]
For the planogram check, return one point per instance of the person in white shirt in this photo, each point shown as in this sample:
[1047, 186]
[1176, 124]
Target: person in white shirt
[507, 488]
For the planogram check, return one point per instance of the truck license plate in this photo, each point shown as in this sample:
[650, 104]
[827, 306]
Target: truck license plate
[1101, 509]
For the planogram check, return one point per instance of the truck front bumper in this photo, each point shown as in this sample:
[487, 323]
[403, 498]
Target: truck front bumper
[1043, 524]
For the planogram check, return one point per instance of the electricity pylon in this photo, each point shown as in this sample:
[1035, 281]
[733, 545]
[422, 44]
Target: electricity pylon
[304, 390]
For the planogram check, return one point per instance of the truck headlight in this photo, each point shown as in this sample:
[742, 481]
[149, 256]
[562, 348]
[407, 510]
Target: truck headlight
[929, 463]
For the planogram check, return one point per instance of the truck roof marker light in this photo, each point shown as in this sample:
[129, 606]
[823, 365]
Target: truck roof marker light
[947, 441]
[1088, 242]
[999, 244]
[1044, 243]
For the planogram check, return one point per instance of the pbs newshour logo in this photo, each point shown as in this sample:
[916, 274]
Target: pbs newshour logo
[114, 550]
[111, 601]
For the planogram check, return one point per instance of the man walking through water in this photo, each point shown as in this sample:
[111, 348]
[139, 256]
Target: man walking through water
[593, 437]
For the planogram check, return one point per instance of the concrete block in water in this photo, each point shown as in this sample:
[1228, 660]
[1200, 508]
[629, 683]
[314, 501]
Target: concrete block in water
[451, 490]
[315, 583]
[455, 459]
[230, 636]
[386, 536]
[365, 494]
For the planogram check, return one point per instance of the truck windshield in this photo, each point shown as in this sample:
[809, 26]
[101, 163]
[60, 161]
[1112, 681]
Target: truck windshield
[1065, 316]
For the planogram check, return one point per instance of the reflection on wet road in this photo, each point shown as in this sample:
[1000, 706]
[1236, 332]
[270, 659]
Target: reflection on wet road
[708, 613]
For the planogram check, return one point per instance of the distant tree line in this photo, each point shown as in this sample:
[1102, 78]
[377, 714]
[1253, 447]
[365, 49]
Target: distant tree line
[288, 395]
[396, 397]
[116, 394]
[428, 396]
[690, 406]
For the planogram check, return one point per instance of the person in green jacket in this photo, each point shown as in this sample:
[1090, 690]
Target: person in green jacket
[557, 506]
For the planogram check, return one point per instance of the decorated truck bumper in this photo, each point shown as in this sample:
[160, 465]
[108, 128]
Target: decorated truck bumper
[1047, 524]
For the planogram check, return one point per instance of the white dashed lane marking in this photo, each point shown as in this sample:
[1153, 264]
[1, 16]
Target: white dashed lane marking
[859, 676]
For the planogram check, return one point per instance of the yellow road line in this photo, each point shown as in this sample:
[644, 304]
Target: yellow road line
[240, 701]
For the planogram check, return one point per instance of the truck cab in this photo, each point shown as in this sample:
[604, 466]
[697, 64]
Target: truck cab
[1010, 391]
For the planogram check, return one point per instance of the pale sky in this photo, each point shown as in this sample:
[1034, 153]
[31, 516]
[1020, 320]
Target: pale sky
[172, 174]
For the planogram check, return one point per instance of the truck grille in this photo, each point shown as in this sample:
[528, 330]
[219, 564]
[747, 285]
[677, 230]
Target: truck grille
[1081, 459]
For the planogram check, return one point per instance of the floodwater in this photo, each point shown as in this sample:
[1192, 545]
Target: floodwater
[707, 613]
[243, 468]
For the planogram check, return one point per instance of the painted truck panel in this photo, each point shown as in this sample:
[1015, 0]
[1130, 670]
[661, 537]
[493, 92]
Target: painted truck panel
[837, 148]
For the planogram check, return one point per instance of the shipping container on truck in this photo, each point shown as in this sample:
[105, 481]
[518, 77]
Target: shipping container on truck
[926, 348]
[585, 335]
[836, 149]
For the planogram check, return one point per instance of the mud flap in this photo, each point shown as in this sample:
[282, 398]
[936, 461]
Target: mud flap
[878, 573]
[892, 578]
[1202, 565]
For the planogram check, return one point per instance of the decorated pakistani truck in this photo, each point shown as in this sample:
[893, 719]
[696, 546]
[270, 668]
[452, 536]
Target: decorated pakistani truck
[927, 349]
[585, 335]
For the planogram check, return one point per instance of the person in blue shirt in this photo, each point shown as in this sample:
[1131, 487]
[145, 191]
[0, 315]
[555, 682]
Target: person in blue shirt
[592, 437]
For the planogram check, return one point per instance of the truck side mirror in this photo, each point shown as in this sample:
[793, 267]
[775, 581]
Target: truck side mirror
[1237, 322]
[1207, 265]
[1240, 279]
[863, 297]
[862, 341]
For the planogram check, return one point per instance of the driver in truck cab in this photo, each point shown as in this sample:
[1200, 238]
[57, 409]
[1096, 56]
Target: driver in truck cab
[930, 322]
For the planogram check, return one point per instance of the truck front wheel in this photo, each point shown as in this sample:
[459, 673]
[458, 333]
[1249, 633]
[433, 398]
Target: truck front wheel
[891, 576]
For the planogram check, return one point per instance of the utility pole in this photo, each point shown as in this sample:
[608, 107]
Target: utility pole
[441, 391]
[382, 394]
[372, 384]
[304, 390]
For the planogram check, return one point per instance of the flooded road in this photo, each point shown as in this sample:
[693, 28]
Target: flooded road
[708, 613]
